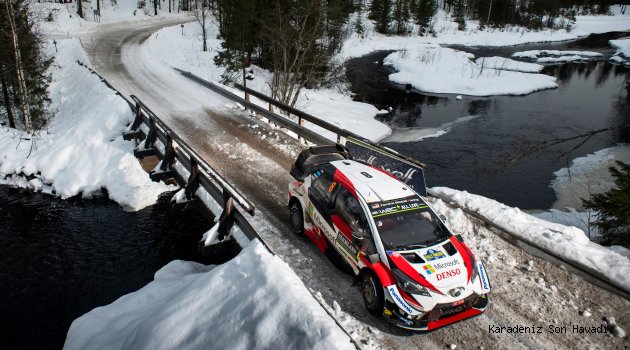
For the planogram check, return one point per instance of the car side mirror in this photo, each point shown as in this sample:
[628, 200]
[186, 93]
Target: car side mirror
[443, 218]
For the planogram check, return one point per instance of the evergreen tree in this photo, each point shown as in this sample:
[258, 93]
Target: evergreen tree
[401, 15]
[23, 68]
[423, 11]
[459, 12]
[380, 13]
[613, 207]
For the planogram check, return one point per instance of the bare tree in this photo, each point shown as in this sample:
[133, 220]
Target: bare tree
[21, 84]
[298, 54]
[201, 14]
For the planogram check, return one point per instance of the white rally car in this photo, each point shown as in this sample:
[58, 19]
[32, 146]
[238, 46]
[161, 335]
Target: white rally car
[413, 269]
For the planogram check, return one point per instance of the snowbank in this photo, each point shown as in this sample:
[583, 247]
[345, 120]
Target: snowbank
[254, 301]
[447, 33]
[183, 51]
[622, 56]
[502, 63]
[82, 149]
[556, 56]
[569, 243]
[587, 175]
[435, 69]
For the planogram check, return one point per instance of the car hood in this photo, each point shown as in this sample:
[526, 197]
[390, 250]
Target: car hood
[434, 268]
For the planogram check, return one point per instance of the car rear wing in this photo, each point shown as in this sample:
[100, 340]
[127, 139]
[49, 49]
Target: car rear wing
[315, 156]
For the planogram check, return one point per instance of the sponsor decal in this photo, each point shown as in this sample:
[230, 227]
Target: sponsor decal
[440, 266]
[347, 246]
[311, 209]
[447, 274]
[376, 205]
[407, 172]
[397, 206]
[434, 254]
[482, 276]
[393, 254]
[428, 269]
[393, 291]
[459, 302]
[332, 187]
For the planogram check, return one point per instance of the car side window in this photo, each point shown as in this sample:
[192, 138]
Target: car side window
[349, 209]
[325, 188]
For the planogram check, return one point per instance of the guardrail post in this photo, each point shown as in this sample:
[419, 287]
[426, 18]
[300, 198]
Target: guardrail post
[165, 171]
[226, 221]
[193, 180]
[133, 132]
[148, 149]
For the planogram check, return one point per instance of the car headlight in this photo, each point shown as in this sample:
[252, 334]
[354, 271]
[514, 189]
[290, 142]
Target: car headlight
[408, 285]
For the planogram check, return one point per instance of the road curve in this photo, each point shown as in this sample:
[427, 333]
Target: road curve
[527, 291]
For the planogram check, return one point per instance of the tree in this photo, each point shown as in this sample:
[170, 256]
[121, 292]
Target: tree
[201, 14]
[23, 68]
[380, 13]
[401, 15]
[459, 12]
[423, 11]
[613, 207]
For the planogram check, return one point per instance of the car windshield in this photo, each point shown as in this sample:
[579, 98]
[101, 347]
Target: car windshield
[407, 224]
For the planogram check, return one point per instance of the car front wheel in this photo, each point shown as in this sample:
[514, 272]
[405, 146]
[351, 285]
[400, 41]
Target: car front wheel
[297, 218]
[373, 294]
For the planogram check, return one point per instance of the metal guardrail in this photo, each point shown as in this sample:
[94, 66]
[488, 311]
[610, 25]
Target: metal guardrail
[201, 173]
[285, 122]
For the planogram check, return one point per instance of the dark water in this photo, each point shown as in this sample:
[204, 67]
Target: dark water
[60, 259]
[476, 154]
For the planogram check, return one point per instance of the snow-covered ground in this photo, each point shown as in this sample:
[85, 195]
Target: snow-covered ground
[432, 68]
[193, 306]
[622, 56]
[254, 301]
[67, 23]
[81, 151]
[183, 51]
[556, 56]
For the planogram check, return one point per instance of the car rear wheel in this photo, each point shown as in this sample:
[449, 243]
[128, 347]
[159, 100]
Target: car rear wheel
[373, 296]
[297, 218]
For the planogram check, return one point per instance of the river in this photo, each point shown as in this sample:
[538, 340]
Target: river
[485, 133]
[63, 258]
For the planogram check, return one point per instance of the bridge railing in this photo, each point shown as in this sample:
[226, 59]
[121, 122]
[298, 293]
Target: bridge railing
[155, 137]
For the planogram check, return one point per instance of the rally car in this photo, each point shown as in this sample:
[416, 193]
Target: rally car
[413, 270]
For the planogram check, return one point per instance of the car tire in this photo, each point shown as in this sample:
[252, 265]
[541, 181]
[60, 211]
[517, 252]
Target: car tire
[296, 217]
[373, 295]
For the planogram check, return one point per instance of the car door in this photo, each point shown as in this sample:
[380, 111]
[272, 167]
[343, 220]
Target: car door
[321, 194]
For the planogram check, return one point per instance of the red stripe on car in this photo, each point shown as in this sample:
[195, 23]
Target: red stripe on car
[408, 270]
[342, 226]
[466, 255]
[345, 182]
[443, 322]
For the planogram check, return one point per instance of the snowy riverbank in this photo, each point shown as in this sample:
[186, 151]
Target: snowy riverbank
[81, 151]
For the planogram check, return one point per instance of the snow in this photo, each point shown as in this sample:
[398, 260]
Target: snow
[184, 52]
[82, 150]
[66, 22]
[435, 69]
[447, 34]
[566, 242]
[587, 175]
[502, 63]
[254, 301]
[556, 56]
[622, 56]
